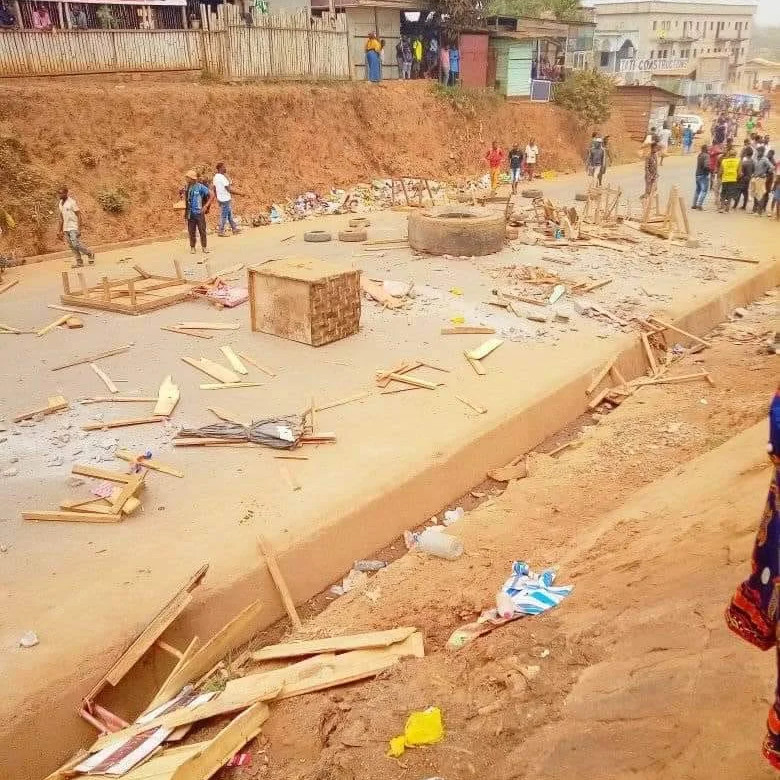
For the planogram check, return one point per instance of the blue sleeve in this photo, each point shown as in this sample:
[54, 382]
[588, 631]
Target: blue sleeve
[204, 190]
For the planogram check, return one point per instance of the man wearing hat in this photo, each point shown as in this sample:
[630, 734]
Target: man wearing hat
[197, 202]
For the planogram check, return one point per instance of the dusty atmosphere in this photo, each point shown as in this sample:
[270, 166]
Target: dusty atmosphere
[624, 408]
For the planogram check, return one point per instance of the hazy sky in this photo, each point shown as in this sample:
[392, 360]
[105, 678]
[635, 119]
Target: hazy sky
[768, 12]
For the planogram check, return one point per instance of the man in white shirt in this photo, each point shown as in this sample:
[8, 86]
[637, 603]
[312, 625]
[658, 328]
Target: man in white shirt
[531, 156]
[69, 227]
[224, 193]
[664, 136]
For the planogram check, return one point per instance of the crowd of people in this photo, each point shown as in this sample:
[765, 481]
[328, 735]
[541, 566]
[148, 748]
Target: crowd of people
[417, 57]
[521, 161]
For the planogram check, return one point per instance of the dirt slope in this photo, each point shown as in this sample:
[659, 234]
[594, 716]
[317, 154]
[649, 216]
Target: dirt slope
[278, 141]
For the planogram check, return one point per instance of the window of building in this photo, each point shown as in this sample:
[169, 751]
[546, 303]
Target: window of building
[712, 25]
[747, 24]
[652, 52]
[605, 58]
[655, 25]
[676, 23]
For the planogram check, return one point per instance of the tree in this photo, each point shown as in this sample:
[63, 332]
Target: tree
[562, 10]
[588, 94]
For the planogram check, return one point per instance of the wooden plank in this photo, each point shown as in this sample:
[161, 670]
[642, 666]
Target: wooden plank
[74, 517]
[477, 409]
[167, 397]
[96, 473]
[112, 388]
[254, 363]
[234, 361]
[208, 325]
[129, 489]
[154, 465]
[410, 380]
[336, 644]
[649, 352]
[485, 349]
[71, 309]
[151, 632]
[237, 632]
[227, 416]
[185, 332]
[667, 380]
[683, 210]
[459, 330]
[229, 385]
[118, 399]
[93, 358]
[46, 328]
[214, 370]
[599, 398]
[730, 257]
[596, 381]
[682, 332]
[105, 424]
[343, 401]
[276, 575]
[475, 364]
[55, 404]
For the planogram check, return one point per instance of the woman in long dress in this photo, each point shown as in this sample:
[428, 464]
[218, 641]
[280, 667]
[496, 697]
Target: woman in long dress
[373, 59]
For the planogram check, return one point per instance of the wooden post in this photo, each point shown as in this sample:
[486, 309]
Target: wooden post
[61, 16]
[65, 283]
[131, 291]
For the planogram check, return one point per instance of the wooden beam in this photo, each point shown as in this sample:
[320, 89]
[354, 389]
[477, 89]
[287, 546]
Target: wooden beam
[154, 465]
[46, 328]
[234, 361]
[596, 381]
[254, 363]
[96, 473]
[75, 517]
[5, 286]
[228, 416]
[459, 330]
[112, 388]
[475, 364]
[212, 369]
[105, 424]
[477, 409]
[410, 380]
[93, 358]
[167, 397]
[649, 352]
[682, 332]
[281, 585]
[181, 332]
[229, 385]
[55, 404]
[118, 399]
[342, 401]
[129, 489]
[208, 325]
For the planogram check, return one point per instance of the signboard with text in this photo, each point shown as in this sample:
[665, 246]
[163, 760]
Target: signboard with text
[645, 66]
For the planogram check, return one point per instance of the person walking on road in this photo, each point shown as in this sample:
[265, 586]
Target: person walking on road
[596, 163]
[197, 202]
[223, 190]
[70, 227]
[687, 139]
[651, 171]
[702, 178]
[762, 180]
[664, 138]
[729, 180]
[747, 167]
[494, 157]
[515, 166]
[531, 158]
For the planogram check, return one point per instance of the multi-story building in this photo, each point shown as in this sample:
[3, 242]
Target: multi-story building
[636, 39]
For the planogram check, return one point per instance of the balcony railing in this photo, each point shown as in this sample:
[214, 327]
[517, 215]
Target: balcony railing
[674, 36]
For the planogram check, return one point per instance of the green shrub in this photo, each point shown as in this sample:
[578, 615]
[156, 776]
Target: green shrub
[588, 94]
[114, 201]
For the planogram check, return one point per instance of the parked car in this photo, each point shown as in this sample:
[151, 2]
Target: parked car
[694, 120]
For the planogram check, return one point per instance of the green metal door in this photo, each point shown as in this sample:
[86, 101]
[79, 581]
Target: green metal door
[519, 70]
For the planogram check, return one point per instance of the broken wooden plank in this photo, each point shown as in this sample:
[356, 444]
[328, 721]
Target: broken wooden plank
[410, 380]
[104, 424]
[129, 489]
[667, 380]
[253, 362]
[404, 367]
[228, 385]
[235, 633]
[234, 361]
[208, 325]
[477, 409]
[55, 404]
[596, 381]
[71, 309]
[52, 325]
[212, 369]
[596, 285]
[96, 473]
[649, 352]
[682, 332]
[182, 332]
[112, 388]
[336, 644]
[74, 517]
[475, 364]
[516, 469]
[598, 399]
[342, 401]
[228, 416]
[276, 575]
[93, 358]
[735, 258]
[460, 330]
[485, 349]
[147, 463]
[118, 399]
[167, 397]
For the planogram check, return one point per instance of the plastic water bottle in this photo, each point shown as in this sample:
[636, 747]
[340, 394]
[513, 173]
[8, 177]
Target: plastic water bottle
[440, 544]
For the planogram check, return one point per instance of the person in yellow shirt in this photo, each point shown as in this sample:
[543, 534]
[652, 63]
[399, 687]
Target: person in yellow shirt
[729, 180]
[373, 59]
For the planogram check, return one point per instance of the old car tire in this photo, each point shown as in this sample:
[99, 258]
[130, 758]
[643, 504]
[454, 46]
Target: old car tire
[457, 230]
[360, 222]
[354, 234]
[581, 197]
[317, 236]
[532, 193]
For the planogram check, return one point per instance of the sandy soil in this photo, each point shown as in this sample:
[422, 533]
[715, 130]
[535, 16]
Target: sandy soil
[278, 141]
[635, 675]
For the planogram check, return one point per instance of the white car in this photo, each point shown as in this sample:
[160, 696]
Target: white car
[695, 121]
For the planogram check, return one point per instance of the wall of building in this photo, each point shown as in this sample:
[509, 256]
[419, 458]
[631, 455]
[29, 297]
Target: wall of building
[682, 31]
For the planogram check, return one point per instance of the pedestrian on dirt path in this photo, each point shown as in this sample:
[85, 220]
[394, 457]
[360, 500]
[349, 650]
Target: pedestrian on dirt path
[70, 227]
[495, 158]
[531, 158]
[702, 178]
[223, 190]
[664, 138]
[596, 163]
[763, 178]
[687, 139]
[197, 202]
[373, 59]
[729, 180]
[752, 613]
[651, 171]
[515, 166]
[747, 167]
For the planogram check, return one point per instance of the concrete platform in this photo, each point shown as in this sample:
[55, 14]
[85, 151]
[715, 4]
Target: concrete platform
[86, 590]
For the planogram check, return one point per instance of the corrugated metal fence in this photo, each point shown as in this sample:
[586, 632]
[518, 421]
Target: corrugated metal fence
[284, 45]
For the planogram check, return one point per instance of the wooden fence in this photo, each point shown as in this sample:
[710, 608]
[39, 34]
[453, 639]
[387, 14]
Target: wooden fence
[285, 45]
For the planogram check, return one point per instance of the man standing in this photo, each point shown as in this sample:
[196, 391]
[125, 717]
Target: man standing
[406, 59]
[224, 193]
[515, 166]
[687, 139]
[729, 179]
[702, 178]
[747, 168]
[651, 171]
[664, 136]
[761, 181]
[531, 156]
[719, 131]
[197, 202]
[454, 65]
[596, 163]
[494, 157]
[444, 65]
[417, 55]
[69, 227]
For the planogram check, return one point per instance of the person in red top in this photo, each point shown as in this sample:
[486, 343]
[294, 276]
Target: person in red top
[715, 152]
[495, 159]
